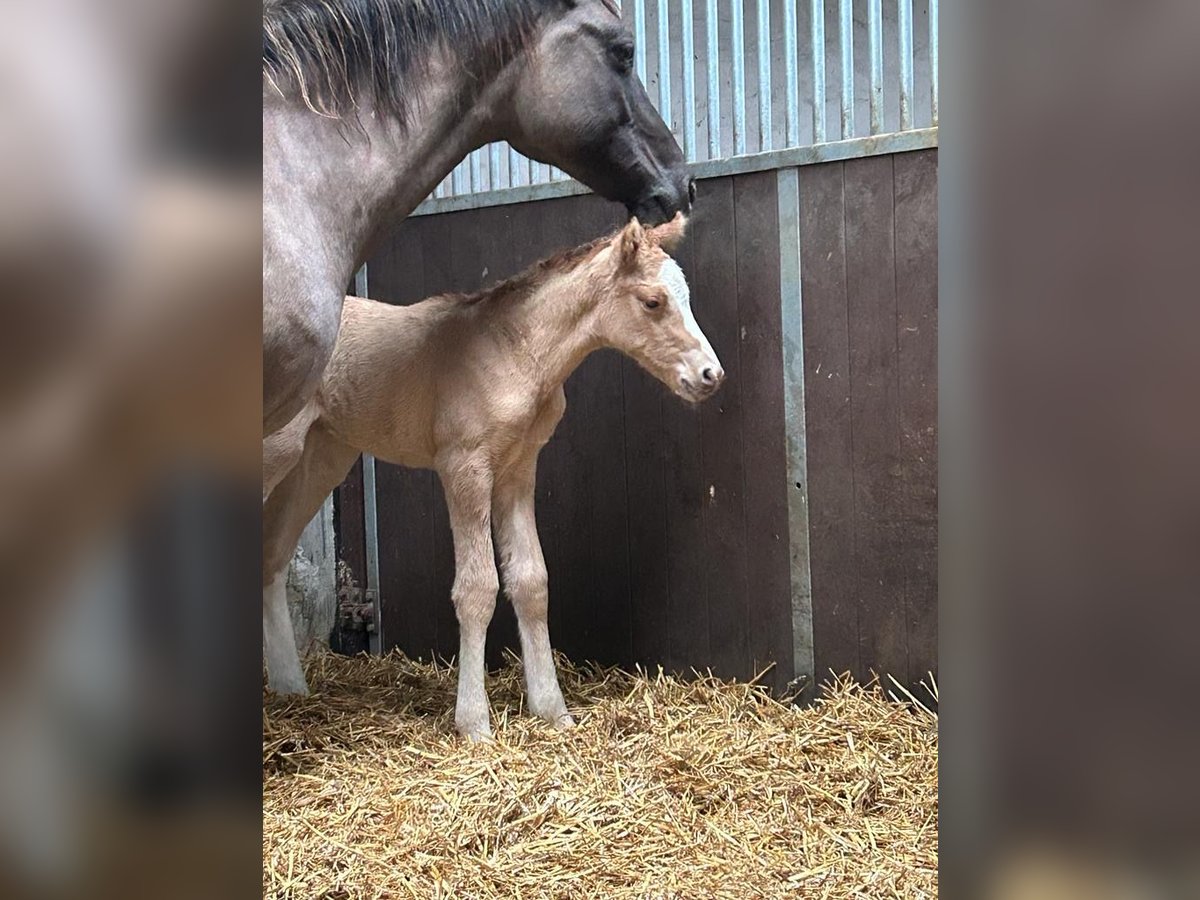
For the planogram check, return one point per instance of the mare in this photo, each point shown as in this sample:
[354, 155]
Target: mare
[369, 104]
[472, 387]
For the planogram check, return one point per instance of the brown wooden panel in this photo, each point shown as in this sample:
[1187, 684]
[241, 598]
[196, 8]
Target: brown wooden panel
[764, 444]
[916, 298]
[404, 498]
[645, 563]
[604, 623]
[687, 636]
[717, 289]
[827, 404]
[645, 448]
[348, 524]
[880, 542]
[566, 510]
[436, 235]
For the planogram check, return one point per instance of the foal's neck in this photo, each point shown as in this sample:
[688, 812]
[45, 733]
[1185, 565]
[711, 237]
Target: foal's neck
[554, 327]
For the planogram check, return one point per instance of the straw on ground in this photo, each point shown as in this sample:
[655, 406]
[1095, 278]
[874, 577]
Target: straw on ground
[666, 788]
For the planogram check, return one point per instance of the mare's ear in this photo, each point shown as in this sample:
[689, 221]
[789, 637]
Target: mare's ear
[629, 244]
[669, 234]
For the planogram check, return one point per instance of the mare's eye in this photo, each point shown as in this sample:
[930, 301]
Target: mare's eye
[650, 303]
[622, 56]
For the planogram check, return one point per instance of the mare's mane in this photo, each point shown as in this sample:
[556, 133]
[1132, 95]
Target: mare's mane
[344, 56]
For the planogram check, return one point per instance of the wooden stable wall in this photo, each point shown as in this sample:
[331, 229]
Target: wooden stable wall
[665, 528]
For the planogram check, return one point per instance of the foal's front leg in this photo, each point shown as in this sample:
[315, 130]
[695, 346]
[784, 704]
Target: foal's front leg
[525, 581]
[468, 487]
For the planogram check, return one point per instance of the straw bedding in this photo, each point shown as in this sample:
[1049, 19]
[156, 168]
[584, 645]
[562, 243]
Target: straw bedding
[665, 789]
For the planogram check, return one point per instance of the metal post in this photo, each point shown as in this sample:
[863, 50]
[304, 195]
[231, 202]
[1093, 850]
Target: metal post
[933, 61]
[792, 321]
[639, 39]
[818, 70]
[689, 80]
[514, 168]
[664, 63]
[846, 40]
[476, 181]
[791, 82]
[904, 14]
[764, 75]
[371, 517]
[713, 71]
[738, 52]
[493, 166]
[875, 47]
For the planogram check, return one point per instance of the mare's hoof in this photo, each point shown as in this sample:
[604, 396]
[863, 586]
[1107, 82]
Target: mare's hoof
[566, 720]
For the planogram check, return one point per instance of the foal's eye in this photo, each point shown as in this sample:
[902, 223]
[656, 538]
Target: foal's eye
[650, 303]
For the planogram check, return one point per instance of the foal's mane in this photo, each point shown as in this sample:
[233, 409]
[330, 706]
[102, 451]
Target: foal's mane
[342, 56]
[530, 279]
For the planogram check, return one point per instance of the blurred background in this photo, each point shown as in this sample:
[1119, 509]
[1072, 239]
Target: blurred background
[130, 414]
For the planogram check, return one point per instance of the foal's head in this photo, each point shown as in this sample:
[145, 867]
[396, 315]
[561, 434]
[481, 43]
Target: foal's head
[646, 311]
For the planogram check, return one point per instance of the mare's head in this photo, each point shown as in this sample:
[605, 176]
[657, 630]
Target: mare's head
[577, 103]
[646, 311]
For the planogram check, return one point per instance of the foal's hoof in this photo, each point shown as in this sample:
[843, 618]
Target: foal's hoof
[288, 686]
[563, 722]
[475, 732]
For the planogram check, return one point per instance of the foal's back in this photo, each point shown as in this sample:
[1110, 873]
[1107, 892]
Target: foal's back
[404, 379]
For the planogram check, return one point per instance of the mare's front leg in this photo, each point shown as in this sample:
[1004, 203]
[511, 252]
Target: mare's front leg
[468, 486]
[526, 583]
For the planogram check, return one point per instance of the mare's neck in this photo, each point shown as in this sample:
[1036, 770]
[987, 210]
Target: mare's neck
[339, 183]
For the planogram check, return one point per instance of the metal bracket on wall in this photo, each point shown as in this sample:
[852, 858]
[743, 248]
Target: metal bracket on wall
[370, 518]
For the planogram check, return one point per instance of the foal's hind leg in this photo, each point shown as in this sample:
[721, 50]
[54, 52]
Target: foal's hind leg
[525, 581]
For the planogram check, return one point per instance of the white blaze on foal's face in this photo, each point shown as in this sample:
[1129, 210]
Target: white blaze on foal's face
[697, 368]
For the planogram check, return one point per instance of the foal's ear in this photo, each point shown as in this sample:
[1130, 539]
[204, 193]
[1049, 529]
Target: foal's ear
[629, 244]
[669, 234]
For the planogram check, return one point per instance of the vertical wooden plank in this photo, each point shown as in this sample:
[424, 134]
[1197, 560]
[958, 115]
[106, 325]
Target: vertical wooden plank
[568, 507]
[489, 266]
[607, 620]
[406, 536]
[719, 288]
[573, 464]
[436, 237]
[348, 524]
[687, 637]
[827, 401]
[874, 388]
[917, 320]
[404, 496]
[764, 450]
[645, 448]
[647, 480]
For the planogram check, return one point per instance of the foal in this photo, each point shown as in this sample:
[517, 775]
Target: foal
[472, 387]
